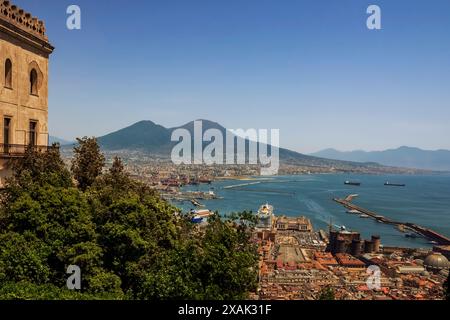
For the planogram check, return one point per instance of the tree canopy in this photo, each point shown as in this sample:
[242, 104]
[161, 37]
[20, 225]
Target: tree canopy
[128, 242]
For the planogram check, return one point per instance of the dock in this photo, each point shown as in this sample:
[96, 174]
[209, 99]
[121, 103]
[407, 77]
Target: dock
[426, 232]
[242, 185]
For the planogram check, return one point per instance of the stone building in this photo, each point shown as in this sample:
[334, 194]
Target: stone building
[294, 224]
[24, 55]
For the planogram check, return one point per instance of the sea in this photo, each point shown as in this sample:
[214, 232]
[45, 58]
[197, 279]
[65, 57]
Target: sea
[425, 200]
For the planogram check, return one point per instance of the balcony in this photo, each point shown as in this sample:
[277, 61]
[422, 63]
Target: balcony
[19, 150]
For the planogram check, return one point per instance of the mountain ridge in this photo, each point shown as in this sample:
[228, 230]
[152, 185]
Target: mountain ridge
[404, 156]
[154, 139]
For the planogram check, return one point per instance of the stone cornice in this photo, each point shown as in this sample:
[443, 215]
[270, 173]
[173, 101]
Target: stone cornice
[23, 25]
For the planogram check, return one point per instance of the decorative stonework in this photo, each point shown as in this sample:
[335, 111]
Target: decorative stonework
[24, 42]
[22, 19]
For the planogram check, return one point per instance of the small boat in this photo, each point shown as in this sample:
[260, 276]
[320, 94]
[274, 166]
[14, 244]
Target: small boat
[352, 183]
[389, 184]
[353, 212]
[364, 216]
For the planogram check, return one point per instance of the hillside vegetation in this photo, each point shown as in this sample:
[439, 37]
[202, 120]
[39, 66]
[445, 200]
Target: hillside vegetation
[128, 242]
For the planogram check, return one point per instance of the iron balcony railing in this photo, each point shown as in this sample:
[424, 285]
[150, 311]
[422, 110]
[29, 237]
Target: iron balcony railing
[18, 150]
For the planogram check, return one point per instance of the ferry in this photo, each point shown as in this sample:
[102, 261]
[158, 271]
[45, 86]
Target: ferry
[200, 216]
[352, 183]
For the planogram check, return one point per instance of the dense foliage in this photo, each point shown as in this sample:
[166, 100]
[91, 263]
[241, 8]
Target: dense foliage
[87, 163]
[128, 242]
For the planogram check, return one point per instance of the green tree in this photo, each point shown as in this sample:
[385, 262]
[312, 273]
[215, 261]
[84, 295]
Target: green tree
[47, 224]
[327, 293]
[216, 263]
[40, 168]
[87, 163]
[23, 257]
[25, 290]
[127, 240]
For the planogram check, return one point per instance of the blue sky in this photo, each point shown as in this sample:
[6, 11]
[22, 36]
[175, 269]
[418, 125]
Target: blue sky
[310, 68]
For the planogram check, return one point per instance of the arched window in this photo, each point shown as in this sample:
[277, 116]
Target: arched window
[33, 82]
[8, 73]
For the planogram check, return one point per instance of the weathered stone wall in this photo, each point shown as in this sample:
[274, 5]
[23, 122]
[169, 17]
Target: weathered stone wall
[17, 102]
[23, 41]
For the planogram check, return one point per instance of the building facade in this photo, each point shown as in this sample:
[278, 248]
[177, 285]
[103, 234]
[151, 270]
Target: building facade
[302, 224]
[24, 56]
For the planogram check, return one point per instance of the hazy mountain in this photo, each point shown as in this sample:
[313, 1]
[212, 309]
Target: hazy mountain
[146, 136]
[52, 139]
[405, 157]
[143, 135]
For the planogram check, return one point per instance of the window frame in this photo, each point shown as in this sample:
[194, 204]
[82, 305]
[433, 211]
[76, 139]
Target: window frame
[32, 139]
[34, 78]
[8, 75]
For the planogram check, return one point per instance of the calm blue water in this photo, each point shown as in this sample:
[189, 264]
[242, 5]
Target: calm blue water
[425, 200]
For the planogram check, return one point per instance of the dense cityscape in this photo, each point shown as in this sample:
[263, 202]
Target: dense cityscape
[297, 262]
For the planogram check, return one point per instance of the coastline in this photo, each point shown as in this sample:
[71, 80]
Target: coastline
[311, 195]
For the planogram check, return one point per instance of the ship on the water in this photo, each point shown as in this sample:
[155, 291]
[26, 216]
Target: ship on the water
[387, 183]
[265, 216]
[200, 216]
[352, 183]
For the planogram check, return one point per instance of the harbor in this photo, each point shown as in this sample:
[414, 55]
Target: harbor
[431, 235]
[193, 197]
[313, 194]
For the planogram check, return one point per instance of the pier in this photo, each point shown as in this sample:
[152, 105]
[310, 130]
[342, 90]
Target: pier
[193, 197]
[427, 233]
[242, 185]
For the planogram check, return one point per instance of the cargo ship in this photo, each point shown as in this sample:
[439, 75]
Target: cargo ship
[387, 183]
[352, 183]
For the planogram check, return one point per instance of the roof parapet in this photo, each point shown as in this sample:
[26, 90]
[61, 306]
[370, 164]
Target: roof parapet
[22, 19]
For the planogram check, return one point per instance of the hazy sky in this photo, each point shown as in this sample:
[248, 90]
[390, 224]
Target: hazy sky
[310, 68]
